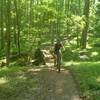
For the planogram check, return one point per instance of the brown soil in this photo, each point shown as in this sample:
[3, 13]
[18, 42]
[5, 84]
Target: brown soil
[56, 86]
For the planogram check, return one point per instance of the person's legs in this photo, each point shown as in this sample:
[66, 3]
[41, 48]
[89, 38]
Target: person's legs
[59, 61]
[55, 59]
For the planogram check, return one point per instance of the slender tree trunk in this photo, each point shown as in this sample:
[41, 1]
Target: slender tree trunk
[18, 26]
[14, 24]
[1, 25]
[30, 15]
[15, 33]
[57, 18]
[79, 4]
[85, 30]
[8, 32]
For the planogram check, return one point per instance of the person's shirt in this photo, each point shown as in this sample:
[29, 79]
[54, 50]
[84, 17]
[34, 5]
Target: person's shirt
[57, 47]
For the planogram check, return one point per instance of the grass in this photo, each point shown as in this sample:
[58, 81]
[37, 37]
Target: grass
[18, 83]
[88, 76]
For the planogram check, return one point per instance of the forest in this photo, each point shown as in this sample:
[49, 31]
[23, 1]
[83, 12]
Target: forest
[29, 30]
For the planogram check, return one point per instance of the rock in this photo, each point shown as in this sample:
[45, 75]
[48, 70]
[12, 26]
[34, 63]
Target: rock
[84, 57]
[2, 62]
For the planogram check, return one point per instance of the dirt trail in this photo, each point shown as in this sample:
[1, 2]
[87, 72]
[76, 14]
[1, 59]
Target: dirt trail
[56, 86]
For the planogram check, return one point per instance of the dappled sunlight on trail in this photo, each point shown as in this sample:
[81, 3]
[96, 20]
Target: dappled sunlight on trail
[56, 86]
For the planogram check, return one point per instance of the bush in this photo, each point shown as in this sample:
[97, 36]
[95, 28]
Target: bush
[67, 54]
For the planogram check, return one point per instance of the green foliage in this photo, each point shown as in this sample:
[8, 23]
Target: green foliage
[16, 83]
[31, 21]
[88, 76]
[73, 54]
[67, 54]
[47, 20]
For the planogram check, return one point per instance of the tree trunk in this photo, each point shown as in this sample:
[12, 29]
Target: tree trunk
[15, 33]
[1, 25]
[18, 26]
[8, 32]
[85, 30]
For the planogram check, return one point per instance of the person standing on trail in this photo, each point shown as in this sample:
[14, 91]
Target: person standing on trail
[57, 53]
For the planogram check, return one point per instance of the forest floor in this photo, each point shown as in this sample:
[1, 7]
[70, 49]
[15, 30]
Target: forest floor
[37, 83]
